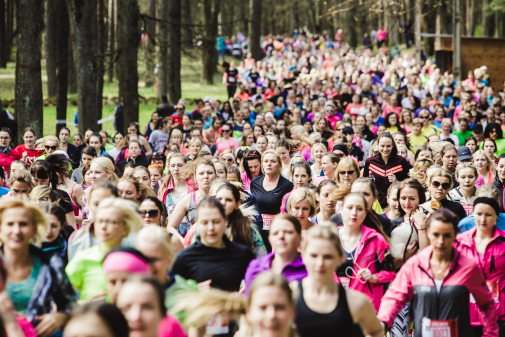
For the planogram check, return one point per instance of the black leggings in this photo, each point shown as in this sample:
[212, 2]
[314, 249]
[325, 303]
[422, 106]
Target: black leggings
[477, 330]
[231, 90]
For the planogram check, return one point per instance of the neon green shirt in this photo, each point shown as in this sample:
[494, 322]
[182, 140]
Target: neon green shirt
[85, 272]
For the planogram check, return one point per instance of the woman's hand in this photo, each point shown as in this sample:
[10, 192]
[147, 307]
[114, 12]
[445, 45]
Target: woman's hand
[367, 275]
[7, 313]
[204, 286]
[392, 178]
[419, 219]
[50, 323]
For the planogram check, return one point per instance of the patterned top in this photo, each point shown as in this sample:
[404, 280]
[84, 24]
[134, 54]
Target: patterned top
[21, 292]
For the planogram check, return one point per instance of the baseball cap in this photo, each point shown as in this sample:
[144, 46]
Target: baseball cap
[348, 130]
[206, 99]
[477, 128]
[464, 153]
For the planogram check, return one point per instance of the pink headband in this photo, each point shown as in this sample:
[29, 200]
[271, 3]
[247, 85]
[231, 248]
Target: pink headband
[125, 261]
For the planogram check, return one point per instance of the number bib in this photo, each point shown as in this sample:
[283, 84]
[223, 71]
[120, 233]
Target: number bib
[345, 282]
[217, 325]
[267, 220]
[439, 328]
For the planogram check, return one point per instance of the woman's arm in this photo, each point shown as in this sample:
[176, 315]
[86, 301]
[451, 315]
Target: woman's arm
[77, 194]
[70, 218]
[179, 212]
[147, 147]
[363, 313]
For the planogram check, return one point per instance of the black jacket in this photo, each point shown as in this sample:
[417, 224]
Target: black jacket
[140, 161]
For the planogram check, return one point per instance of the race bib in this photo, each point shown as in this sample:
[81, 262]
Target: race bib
[439, 328]
[345, 282]
[267, 219]
[494, 288]
[231, 79]
[217, 325]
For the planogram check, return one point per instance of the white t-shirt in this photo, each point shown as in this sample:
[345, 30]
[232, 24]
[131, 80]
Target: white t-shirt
[158, 139]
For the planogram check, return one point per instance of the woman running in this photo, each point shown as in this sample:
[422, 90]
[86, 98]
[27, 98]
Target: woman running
[447, 278]
[466, 174]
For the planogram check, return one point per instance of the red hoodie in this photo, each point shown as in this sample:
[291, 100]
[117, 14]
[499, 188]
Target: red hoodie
[492, 265]
[448, 308]
[6, 161]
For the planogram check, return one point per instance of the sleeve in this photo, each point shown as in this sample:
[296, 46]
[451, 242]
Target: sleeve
[64, 295]
[404, 174]
[258, 245]
[178, 267]
[366, 171]
[399, 293]
[385, 275]
[74, 272]
[250, 274]
[478, 288]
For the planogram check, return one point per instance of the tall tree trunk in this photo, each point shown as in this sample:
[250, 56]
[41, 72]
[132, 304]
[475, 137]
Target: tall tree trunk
[163, 43]
[9, 28]
[112, 27]
[149, 51]
[187, 33]
[255, 29]
[394, 28]
[28, 83]
[174, 52]
[488, 20]
[62, 62]
[102, 48]
[83, 14]
[3, 41]
[72, 71]
[244, 17]
[129, 38]
[51, 33]
[351, 25]
[210, 13]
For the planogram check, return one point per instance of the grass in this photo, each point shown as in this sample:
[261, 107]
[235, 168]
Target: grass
[192, 89]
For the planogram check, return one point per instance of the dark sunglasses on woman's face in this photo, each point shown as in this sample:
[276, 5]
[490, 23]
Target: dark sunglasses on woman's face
[349, 173]
[437, 184]
[51, 147]
[341, 155]
[152, 213]
[226, 130]
[229, 160]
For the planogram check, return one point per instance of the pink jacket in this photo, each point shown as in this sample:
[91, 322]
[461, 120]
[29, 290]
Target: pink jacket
[371, 246]
[170, 187]
[492, 265]
[416, 281]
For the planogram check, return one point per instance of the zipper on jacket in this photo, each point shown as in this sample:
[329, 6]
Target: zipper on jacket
[492, 266]
[438, 292]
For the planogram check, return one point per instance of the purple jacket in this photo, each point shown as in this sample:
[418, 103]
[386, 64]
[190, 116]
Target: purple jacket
[294, 271]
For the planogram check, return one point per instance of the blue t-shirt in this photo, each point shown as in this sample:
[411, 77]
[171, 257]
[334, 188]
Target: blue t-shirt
[4, 191]
[21, 292]
[207, 123]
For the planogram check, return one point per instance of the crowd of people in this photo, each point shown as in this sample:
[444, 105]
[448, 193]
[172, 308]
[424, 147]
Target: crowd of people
[336, 191]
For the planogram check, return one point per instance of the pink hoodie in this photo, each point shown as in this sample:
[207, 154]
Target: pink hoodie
[492, 265]
[416, 281]
[370, 244]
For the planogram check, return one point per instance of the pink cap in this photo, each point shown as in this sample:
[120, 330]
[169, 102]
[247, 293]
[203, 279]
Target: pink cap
[125, 261]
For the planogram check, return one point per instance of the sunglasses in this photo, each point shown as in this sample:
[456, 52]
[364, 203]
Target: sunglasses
[349, 173]
[152, 213]
[229, 160]
[226, 130]
[51, 147]
[437, 184]
[340, 129]
[425, 117]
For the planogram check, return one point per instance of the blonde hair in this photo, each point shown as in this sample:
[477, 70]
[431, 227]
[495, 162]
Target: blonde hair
[301, 194]
[199, 307]
[37, 217]
[43, 141]
[421, 176]
[175, 132]
[301, 132]
[39, 192]
[128, 210]
[317, 145]
[345, 163]
[326, 231]
[23, 176]
[462, 166]
[439, 172]
[315, 136]
[270, 151]
[156, 234]
[215, 184]
[226, 152]
[490, 162]
[489, 191]
[107, 164]
[195, 141]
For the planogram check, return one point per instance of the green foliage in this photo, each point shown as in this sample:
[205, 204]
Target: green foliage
[495, 6]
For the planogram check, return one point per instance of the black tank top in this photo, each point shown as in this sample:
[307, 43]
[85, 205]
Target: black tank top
[339, 322]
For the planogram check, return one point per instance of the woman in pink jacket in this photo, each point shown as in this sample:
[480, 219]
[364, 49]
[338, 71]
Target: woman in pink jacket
[486, 244]
[439, 280]
[368, 263]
